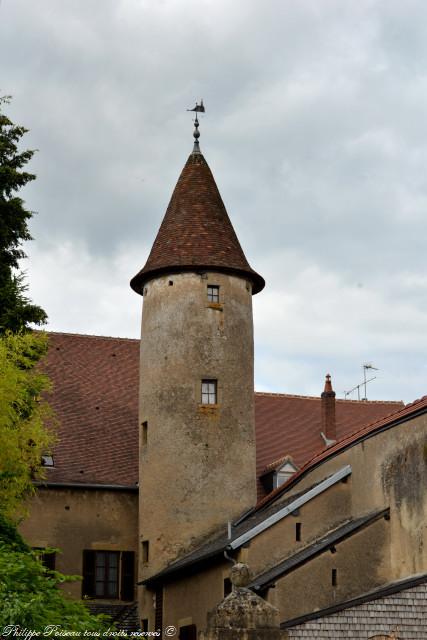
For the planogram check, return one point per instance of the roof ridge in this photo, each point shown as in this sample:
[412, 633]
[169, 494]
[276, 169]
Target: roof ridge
[340, 400]
[370, 401]
[89, 335]
[285, 395]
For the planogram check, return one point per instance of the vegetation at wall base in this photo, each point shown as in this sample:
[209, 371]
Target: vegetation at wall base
[28, 591]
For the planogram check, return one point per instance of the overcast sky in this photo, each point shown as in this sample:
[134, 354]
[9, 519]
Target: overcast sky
[315, 130]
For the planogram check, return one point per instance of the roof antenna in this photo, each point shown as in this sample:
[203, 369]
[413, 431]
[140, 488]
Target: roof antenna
[199, 108]
[366, 366]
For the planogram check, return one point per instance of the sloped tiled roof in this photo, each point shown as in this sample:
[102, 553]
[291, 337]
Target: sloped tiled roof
[399, 606]
[124, 616]
[405, 412]
[291, 425]
[196, 231]
[95, 397]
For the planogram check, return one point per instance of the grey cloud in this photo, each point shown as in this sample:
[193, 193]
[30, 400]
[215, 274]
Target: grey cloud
[315, 132]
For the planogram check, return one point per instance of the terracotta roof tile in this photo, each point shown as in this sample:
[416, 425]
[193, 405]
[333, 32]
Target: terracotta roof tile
[95, 397]
[196, 231]
[291, 425]
[351, 438]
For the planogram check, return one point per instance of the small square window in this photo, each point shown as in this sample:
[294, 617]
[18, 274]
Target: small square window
[47, 461]
[213, 293]
[209, 392]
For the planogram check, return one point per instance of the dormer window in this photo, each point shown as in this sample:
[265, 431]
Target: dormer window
[285, 472]
[47, 461]
[209, 392]
[277, 473]
[213, 293]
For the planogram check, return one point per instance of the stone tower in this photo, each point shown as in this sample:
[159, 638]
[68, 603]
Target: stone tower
[197, 432]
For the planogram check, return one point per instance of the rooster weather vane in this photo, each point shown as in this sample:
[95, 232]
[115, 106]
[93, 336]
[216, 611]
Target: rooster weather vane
[199, 108]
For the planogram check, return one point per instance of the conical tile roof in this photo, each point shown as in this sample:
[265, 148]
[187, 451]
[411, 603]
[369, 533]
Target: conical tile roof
[196, 232]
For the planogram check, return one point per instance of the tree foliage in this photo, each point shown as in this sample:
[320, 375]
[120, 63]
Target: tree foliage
[16, 310]
[29, 597]
[28, 591]
[24, 413]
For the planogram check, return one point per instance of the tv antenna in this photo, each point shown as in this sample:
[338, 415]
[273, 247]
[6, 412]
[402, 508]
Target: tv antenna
[366, 366]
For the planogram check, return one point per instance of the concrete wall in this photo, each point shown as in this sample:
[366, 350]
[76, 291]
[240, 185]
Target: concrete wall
[77, 519]
[198, 467]
[362, 563]
[388, 470]
[187, 601]
[318, 517]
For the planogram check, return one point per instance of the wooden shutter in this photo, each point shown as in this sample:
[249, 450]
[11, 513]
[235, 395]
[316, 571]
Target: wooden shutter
[158, 621]
[128, 576]
[88, 585]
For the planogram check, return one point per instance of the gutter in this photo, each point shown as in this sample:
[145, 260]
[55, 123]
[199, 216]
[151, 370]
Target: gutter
[86, 485]
[290, 508]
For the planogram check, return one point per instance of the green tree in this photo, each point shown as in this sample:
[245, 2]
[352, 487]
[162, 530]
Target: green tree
[16, 310]
[24, 414]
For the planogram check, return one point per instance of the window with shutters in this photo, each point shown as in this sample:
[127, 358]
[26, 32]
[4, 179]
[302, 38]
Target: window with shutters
[109, 575]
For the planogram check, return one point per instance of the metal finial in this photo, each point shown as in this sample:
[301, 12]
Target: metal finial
[196, 135]
[199, 108]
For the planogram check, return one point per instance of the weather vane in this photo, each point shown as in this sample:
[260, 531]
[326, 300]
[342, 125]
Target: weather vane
[199, 108]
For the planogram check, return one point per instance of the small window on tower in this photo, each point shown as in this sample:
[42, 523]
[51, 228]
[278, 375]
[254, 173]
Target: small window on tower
[213, 293]
[209, 391]
[145, 551]
[144, 434]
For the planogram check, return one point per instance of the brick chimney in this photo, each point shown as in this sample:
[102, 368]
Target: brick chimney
[328, 410]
